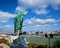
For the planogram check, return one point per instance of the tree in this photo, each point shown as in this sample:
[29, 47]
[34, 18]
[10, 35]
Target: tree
[24, 32]
[37, 33]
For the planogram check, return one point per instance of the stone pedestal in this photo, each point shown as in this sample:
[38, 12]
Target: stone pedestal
[19, 43]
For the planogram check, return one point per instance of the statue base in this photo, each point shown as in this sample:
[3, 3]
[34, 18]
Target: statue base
[19, 43]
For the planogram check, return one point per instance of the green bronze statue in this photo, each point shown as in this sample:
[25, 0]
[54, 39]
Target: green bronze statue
[18, 21]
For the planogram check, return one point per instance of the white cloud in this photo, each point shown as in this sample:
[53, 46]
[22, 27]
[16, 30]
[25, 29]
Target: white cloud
[54, 2]
[20, 9]
[29, 22]
[39, 24]
[44, 21]
[36, 21]
[58, 20]
[7, 28]
[55, 24]
[35, 3]
[39, 4]
[5, 16]
[42, 11]
[32, 3]
[56, 8]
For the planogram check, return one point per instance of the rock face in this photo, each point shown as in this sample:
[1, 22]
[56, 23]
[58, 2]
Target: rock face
[3, 45]
[19, 43]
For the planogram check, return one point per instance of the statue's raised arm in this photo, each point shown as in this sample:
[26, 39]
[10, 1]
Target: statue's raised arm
[25, 13]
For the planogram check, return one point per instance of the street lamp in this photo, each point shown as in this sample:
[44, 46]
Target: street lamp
[49, 37]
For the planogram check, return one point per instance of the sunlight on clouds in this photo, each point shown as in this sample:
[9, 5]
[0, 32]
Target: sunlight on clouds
[20, 9]
[29, 2]
[5, 28]
[39, 21]
[29, 22]
[55, 4]
[44, 21]
[41, 11]
[39, 24]
[5, 16]
[33, 3]
[39, 4]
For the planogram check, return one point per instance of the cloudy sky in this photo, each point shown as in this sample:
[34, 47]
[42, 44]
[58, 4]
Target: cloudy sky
[43, 15]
